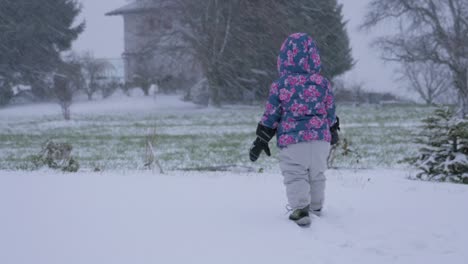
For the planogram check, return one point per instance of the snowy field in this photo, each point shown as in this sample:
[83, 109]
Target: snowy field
[111, 134]
[124, 214]
[371, 216]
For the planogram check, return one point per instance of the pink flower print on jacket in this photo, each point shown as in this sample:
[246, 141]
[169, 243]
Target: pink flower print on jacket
[270, 109]
[309, 135]
[316, 78]
[316, 57]
[315, 123]
[274, 89]
[321, 109]
[292, 80]
[301, 103]
[285, 95]
[289, 124]
[327, 135]
[285, 140]
[329, 100]
[302, 80]
[297, 35]
[290, 61]
[299, 54]
[306, 44]
[295, 50]
[311, 94]
[299, 109]
[304, 62]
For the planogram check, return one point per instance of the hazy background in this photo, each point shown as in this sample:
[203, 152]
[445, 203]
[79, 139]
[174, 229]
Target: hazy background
[104, 37]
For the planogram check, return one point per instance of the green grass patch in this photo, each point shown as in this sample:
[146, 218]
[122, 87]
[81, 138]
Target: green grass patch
[379, 135]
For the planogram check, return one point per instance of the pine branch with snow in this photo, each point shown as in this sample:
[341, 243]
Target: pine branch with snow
[444, 148]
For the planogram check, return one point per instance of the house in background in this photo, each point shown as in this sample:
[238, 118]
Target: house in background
[146, 56]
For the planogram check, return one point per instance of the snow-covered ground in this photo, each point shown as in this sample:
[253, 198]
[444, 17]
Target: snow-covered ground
[117, 104]
[111, 133]
[371, 216]
[128, 215]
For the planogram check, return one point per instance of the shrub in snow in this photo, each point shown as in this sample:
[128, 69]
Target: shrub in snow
[57, 156]
[443, 148]
[199, 93]
[345, 149]
[151, 157]
[109, 88]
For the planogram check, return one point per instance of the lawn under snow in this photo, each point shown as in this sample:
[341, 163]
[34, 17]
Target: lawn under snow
[371, 217]
[128, 215]
[112, 133]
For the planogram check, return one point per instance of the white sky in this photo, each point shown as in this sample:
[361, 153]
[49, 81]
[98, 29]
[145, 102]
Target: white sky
[103, 34]
[104, 37]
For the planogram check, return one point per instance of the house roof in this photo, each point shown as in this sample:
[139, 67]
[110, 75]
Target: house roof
[140, 6]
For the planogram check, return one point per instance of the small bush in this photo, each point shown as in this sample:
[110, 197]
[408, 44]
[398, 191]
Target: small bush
[56, 156]
[443, 155]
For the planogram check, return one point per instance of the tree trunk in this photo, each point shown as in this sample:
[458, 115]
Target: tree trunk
[462, 107]
[66, 111]
[461, 83]
[214, 92]
[146, 90]
[213, 86]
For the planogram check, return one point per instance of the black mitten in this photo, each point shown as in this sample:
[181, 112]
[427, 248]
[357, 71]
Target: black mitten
[334, 132]
[264, 135]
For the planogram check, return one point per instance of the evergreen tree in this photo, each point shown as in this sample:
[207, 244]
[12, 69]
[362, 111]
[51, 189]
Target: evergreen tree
[238, 47]
[259, 31]
[443, 155]
[324, 21]
[32, 36]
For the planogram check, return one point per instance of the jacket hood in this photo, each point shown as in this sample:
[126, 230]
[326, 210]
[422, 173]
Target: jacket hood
[299, 55]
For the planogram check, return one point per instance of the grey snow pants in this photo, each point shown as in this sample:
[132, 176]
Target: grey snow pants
[303, 167]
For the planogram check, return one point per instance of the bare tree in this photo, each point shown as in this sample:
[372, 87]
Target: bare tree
[432, 31]
[235, 42]
[359, 95]
[207, 27]
[93, 71]
[66, 81]
[63, 93]
[211, 32]
[430, 81]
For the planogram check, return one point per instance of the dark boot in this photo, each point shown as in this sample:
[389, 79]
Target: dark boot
[301, 216]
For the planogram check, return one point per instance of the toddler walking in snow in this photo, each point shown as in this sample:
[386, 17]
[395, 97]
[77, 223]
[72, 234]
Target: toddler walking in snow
[301, 112]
